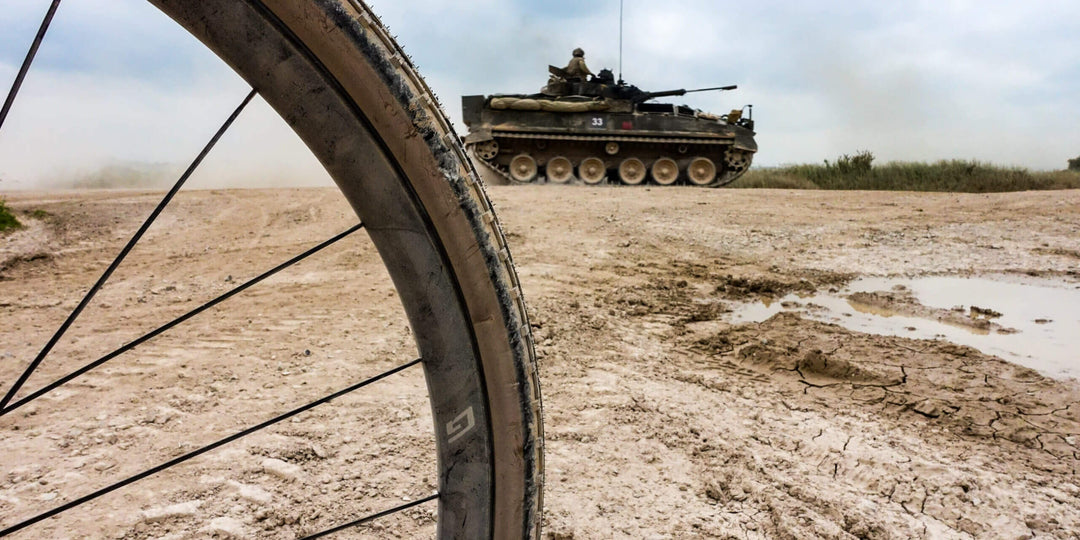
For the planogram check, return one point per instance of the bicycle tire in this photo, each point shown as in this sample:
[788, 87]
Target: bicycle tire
[332, 71]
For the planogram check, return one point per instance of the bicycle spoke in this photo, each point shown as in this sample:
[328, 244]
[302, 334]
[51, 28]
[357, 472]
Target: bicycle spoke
[366, 519]
[123, 253]
[203, 450]
[27, 61]
[169, 325]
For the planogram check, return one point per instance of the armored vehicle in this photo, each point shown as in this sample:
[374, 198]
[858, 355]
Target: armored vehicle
[600, 130]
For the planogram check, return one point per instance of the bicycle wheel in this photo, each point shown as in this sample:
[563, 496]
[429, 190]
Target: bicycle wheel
[333, 72]
[330, 69]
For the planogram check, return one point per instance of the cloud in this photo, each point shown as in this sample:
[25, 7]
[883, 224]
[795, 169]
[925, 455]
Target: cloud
[918, 81]
[923, 80]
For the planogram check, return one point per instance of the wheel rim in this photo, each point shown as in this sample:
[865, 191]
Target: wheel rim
[463, 510]
[523, 168]
[592, 170]
[559, 170]
[701, 171]
[631, 171]
[314, 64]
[665, 171]
[611, 148]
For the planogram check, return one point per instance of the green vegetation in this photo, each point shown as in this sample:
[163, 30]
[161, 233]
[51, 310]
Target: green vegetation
[1074, 164]
[8, 221]
[858, 173]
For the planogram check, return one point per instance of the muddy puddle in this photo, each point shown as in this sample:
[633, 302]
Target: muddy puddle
[1032, 322]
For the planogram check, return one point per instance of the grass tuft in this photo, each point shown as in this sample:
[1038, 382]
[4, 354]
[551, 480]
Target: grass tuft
[8, 221]
[857, 172]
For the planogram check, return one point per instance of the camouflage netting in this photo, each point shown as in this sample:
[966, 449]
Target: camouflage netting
[528, 104]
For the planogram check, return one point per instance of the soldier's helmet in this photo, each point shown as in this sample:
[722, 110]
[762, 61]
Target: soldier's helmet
[579, 52]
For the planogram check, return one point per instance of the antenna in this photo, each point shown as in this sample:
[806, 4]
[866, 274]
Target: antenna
[620, 40]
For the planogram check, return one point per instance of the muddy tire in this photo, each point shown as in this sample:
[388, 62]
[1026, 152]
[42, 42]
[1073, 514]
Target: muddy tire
[331, 70]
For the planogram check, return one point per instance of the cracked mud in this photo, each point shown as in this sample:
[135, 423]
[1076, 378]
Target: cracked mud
[662, 419]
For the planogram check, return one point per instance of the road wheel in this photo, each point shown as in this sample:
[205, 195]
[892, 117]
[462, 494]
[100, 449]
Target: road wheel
[632, 171]
[559, 170]
[665, 171]
[701, 171]
[523, 168]
[592, 170]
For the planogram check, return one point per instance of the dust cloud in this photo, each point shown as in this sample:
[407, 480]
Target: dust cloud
[92, 132]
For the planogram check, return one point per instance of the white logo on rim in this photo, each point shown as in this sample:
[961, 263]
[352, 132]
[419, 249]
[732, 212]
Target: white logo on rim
[460, 425]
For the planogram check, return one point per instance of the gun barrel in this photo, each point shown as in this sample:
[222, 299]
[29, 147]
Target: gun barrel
[682, 91]
[728, 87]
[665, 93]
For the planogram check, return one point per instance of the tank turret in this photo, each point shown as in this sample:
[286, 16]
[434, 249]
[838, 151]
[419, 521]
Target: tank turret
[604, 85]
[597, 130]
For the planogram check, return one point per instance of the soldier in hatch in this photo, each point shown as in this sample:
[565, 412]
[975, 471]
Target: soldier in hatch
[577, 69]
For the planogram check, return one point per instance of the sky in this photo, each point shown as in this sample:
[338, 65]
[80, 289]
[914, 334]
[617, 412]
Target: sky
[117, 82]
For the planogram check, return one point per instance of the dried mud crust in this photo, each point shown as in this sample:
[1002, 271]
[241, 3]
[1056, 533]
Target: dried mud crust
[972, 393]
[954, 395]
[663, 420]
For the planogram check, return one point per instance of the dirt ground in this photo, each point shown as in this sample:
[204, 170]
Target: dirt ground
[662, 420]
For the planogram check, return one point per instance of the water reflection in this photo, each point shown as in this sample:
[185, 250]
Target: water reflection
[1045, 315]
[883, 311]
